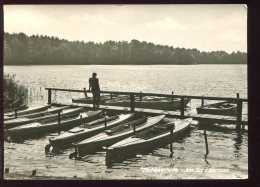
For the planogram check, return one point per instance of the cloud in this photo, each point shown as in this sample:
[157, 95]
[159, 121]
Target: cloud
[24, 19]
[81, 18]
[166, 23]
[233, 35]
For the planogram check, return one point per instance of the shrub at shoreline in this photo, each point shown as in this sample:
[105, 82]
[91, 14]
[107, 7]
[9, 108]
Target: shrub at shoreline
[15, 94]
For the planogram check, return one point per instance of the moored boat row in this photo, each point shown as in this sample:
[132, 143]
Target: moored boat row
[90, 131]
[86, 131]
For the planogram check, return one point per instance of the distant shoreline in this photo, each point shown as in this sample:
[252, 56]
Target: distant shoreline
[21, 49]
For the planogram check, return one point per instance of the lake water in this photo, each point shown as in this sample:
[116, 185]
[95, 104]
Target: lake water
[228, 157]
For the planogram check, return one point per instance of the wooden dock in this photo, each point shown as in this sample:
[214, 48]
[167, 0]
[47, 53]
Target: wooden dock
[238, 120]
[209, 118]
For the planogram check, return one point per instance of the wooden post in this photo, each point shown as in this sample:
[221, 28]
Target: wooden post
[141, 96]
[59, 122]
[15, 113]
[239, 115]
[85, 93]
[182, 107]
[202, 102]
[243, 127]
[172, 127]
[49, 96]
[206, 142]
[171, 131]
[47, 148]
[172, 97]
[105, 123]
[33, 172]
[132, 104]
[80, 119]
[134, 128]
[109, 158]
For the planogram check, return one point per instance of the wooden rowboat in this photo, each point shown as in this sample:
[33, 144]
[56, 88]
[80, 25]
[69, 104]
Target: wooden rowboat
[47, 118]
[89, 100]
[114, 135]
[158, 135]
[89, 129]
[22, 107]
[147, 102]
[27, 111]
[37, 128]
[220, 108]
[38, 114]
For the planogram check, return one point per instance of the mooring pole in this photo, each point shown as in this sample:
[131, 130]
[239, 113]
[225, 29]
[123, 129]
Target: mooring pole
[172, 96]
[239, 115]
[134, 128]
[132, 99]
[141, 96]
[202, 102]
[59, 122]
[49, 96]
[182, 107]
[15, 113]
[206, 142]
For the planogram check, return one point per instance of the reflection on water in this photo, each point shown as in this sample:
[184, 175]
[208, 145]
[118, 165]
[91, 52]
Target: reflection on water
[171, 150]
[238, 140]
[205, 157]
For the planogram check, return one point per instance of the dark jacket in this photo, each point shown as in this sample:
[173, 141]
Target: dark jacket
[94, 84]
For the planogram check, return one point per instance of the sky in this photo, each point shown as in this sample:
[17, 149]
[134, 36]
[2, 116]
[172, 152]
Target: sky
[204, 27]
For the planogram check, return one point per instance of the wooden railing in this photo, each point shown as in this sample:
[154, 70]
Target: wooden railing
[132, 95]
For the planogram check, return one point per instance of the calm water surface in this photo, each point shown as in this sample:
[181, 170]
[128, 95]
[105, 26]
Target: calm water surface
[228, 157]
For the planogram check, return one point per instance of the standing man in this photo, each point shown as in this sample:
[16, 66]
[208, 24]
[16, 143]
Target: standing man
[95, 89]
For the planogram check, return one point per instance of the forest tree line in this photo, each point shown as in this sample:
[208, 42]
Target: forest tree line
[20, 49]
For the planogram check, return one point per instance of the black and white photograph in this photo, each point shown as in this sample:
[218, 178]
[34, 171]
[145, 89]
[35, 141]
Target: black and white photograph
[125, 92]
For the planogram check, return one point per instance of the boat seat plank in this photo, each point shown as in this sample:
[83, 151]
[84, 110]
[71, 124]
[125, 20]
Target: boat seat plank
[76, 130]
